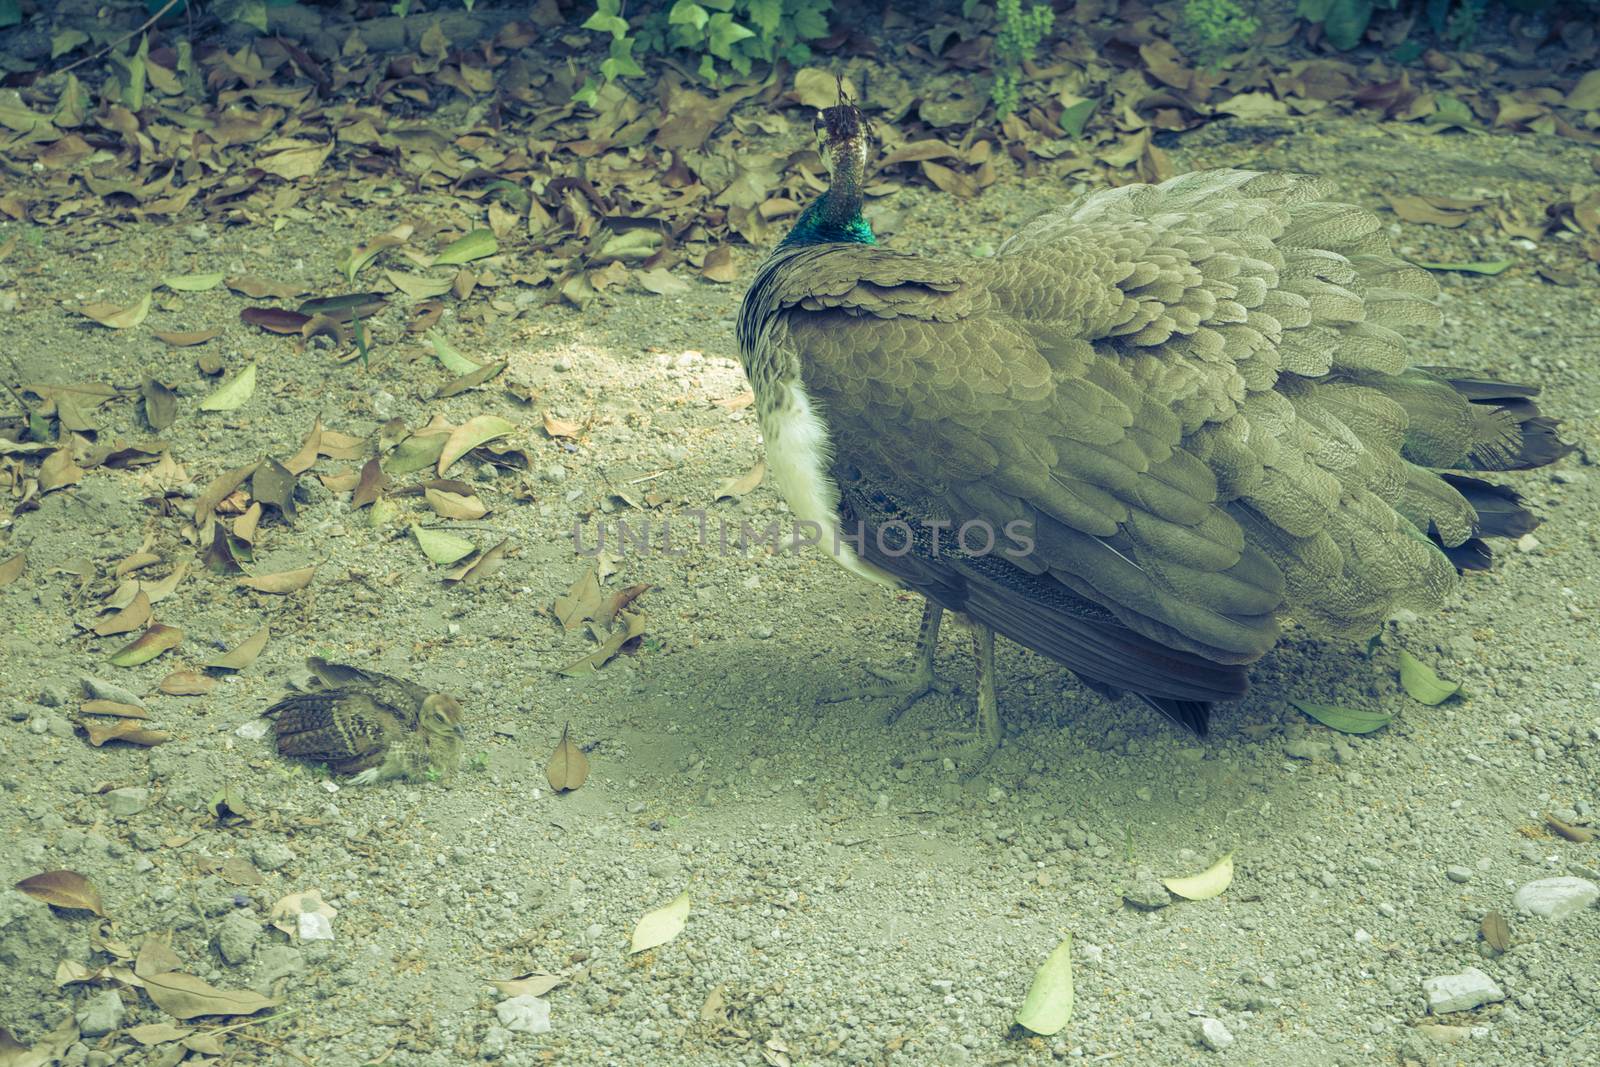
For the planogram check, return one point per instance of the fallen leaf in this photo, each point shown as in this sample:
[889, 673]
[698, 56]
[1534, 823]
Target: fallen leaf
[744, 484]
[417, 287]
[370, 485]
[158, 1033]
[187, 684]
[184, 996]
[1579, 834]
[656, 928]
[63, 889]
[130, 618]
[476, 570]
[579, 602]
[147, 646]
[1491, 267]
[469, 435]
[469, 246]
[1206, 885]
[363, 254]
[1434, 210]
[275, 320]
[1345, 720]
[718, 266]
[568, 767]
[281, 582]
[1496, 931]
[128, 730]
[115, 708]
[633, 625]
[529, 985]
[118, 318]
[243, 654]
[561, 427]
[453, 360]
[218, 490]
[306, 457]
[1585, 95]
[455, 506]
[192, 283]
[1048, 1005]
[272, 484]
[232, 394]
[662, 282]
[160, 404]
[12, 569]
[58, 471]
[473, 378]
[442, 548]
[184, 339]
[1422, 684]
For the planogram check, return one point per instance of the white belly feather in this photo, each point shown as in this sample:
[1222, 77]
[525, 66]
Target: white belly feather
[799, 453]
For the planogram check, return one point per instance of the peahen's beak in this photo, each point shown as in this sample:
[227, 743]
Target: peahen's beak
[461, 731]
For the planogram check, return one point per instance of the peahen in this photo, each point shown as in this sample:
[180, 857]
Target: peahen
[1155, 424]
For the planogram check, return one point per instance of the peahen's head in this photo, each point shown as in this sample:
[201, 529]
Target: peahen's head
[844, 139]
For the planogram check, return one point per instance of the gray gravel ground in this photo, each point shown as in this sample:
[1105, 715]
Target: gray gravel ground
[845, 909]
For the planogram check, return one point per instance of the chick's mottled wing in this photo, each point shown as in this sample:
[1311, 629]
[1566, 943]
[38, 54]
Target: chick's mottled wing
[346, 728]
[402, 697]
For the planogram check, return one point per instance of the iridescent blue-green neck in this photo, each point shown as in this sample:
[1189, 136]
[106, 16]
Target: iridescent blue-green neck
[835, 216]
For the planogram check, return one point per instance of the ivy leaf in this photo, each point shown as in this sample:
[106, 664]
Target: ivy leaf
[688, 13]
[723, 33]
[766, 16]
[809, 20]
[603, 23]
[1346, 23]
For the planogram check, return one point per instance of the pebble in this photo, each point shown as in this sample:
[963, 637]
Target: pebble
[271, 854]
[102, 690]
[236, 937]
[1556, 898]
[99, 1014]
[253, 730]
[52, 696]
[1305, 748]
[554, 473]
[1458, 874]
[1148, 894]
[1460, 992]
[526, 1014]
[129, 800]
[1213, 1035]
[1527, 543]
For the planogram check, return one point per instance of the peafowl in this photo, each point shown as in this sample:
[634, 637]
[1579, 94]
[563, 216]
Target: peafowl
[1157, 423]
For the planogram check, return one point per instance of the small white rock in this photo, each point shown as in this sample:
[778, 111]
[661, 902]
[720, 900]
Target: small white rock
[1460, 992]
[1527, 543]
[253, 730]
[1213, 1035]
[1556, 898]
[526, 1014]
[314, 926]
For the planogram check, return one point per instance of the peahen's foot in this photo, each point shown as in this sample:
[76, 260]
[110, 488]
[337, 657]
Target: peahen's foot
[971, 756]
[905, 688]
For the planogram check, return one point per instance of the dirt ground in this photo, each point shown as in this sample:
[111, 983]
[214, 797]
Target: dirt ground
[845, 908]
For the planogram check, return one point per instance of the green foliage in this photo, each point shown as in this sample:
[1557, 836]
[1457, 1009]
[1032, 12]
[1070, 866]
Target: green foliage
[1218, 27]
[724, 34]
[1018, 36]
[1344, 22]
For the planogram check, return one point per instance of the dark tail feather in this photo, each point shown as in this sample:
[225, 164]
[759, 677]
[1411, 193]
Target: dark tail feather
[1470, 555]
[1192, 715]
[1499, 508]
[1514, 437]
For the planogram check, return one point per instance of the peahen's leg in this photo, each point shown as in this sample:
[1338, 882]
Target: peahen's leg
[904, 687]
[972, 755]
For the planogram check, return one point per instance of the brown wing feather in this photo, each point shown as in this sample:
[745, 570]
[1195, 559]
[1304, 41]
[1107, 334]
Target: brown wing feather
[343, 727]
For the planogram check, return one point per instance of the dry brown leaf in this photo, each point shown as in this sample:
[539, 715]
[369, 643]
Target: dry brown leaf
[118, 318]
[261, 288]
[160, 404]
[1496, 931]
[244, 654]
[454, 506]
[12, 569]
[469, 435]
[130, 618]
[477, 569]
[159, 591]
[280, 583]
[244, 527]
[633, 625]
[533, 985]
[737, 402]
[568, 767]
[218, 490]
[371, 485]
[127, 730]
[136, 562]
[1580, 834]
[306, 458]
[114, 708]
[58, 471]
[159, 638]
[580, 602]
[187, 684]
[1434, 210]
[63, 889]
[718, 266]
[471, 379]
[151, 1034]
[186, 338]
[744, 484]
[184, 996]
[561, 427]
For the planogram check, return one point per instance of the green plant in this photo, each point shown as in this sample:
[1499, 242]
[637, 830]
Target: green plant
[724, 34]
[1218, 27]
[1018, 37]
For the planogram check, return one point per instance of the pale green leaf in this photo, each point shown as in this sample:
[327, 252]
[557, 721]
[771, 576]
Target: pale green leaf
[233, 393]
[468, 247]
[1074, 118]
[1048, 1005]
[443, 548]
[449, 355]
[1419, 680]
[657, 927]
[1345, 720]
[193, 283]
[1203, 886]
